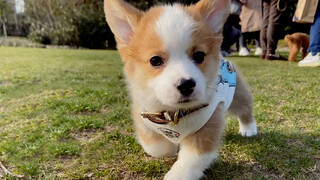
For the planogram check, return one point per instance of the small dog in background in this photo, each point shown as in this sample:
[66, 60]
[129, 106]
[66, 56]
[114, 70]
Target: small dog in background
[296, 41]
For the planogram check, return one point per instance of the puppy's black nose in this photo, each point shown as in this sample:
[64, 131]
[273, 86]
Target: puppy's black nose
[186, 86]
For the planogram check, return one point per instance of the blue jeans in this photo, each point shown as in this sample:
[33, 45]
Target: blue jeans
[314, 46]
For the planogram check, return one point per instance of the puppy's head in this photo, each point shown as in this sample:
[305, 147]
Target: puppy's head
[171, 52]
[288, 38]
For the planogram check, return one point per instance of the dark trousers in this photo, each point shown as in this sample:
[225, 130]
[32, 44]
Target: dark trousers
[271, 26]
[248, 36]
[230, 32]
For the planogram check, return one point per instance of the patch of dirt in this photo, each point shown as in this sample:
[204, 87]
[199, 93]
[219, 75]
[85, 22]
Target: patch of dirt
[66, 157]
[3, 109]
[6, 83]
[122, 172]
[315, 171]
[86, 134]
[265, 171]
[59, 168]
[297, 143]
[104, 110]
[109, 129]
[127, 175]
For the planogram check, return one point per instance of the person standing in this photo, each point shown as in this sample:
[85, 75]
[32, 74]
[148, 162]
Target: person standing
[231, 29]
[271, 26]
[251, 17]
[313, 58]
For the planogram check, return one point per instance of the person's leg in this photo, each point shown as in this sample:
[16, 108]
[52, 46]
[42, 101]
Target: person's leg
[313, 58]
[227, 28]
[236, 33]
[256, 37]
[241, 41]
[274, 27]
[243, 45]
[314, 46]
[236, 20]
[230, 37]
[264, 26]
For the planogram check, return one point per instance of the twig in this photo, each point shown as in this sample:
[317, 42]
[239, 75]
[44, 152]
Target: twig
[7, 172]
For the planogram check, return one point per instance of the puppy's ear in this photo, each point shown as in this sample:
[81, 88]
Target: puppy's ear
[122, 19]
[215, 12]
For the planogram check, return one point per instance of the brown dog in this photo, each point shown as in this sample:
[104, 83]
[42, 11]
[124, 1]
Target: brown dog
[296, 41]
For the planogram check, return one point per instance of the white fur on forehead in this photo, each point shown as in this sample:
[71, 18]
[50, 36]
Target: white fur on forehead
[175, 28]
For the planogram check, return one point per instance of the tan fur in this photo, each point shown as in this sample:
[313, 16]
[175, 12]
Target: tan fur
[133, 15]
[212, 131]
[296, 41]
[140, 45]
[242, 104]
[145, 43]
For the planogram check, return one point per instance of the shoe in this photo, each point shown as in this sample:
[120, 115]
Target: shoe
[244, 52]
[258, 52]
[275, 57]
[225, 53]
[310, 60]
[263, 56]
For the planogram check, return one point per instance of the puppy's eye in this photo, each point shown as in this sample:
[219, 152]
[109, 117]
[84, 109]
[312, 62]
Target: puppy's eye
[198, 57]
[156, 61]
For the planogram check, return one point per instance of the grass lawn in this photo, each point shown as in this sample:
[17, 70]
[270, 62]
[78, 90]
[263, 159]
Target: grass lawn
[64, 114]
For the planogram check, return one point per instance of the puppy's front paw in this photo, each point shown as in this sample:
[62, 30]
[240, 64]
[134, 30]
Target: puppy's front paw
[190, 165]
[181, 174]
[248, 130]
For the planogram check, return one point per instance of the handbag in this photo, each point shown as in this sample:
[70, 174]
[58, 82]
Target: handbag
[305, 11]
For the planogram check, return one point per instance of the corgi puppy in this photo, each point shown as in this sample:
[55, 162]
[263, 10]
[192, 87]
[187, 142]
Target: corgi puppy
[180, 85]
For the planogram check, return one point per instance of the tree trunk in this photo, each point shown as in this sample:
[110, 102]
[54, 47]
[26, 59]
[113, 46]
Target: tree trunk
[4, 29]
[16, 23]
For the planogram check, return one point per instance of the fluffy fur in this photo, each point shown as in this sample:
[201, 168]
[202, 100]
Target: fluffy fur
[175, 33]
[296, 41]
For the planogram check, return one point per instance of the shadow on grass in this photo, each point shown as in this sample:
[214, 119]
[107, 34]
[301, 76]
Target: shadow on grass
[243, 57]
[271, 155]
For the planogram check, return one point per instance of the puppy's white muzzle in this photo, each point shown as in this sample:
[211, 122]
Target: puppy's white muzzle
[180, 84]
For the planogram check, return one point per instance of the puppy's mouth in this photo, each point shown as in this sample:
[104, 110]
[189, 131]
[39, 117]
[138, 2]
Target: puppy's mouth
[189, 101]
[185, 101]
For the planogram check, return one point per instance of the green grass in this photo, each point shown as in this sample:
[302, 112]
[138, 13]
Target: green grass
[64, 114]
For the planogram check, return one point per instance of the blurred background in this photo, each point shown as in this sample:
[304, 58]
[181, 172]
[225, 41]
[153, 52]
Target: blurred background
[77, 23]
